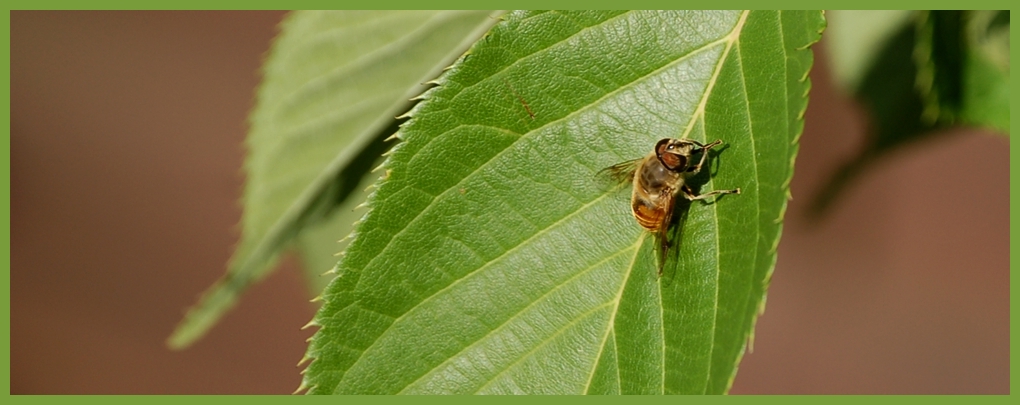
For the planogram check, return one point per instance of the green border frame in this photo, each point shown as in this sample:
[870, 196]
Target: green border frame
[449, 4]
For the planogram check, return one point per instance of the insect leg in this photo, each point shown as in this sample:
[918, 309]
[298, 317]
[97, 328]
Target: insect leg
[704, 155]
[703, 146]
[689, 194]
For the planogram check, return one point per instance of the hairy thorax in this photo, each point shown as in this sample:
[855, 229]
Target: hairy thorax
[654, 187]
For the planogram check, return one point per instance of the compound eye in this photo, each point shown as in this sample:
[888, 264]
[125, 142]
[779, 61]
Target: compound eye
[664, 151]
[662, 146]
[673, 161]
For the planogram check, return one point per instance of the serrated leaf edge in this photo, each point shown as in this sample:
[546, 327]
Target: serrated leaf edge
[399, 136]
[805, 78]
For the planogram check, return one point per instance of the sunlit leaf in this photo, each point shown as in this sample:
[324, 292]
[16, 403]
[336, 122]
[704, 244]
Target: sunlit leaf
[492, 261]
[332, 84]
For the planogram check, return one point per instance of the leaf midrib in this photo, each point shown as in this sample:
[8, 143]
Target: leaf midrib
[735, 36]
[786, 181]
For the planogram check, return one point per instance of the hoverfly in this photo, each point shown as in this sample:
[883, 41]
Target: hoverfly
[657, 179]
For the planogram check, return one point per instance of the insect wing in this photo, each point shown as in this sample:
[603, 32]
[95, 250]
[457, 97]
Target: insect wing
[668, 201]
[619, 173]
[671, 240]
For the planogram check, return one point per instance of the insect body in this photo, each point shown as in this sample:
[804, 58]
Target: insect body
[658, 178]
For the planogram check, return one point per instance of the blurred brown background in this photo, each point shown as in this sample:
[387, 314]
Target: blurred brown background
[126, 148]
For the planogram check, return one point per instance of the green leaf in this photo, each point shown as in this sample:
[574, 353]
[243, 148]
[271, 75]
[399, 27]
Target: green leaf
[493, 261]
[986, 70]
[964, 67]
[332, 84]
[938, 55]
[318, 244]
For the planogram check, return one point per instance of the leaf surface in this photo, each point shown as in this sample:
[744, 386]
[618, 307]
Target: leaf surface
[332, 85]
[493, 261]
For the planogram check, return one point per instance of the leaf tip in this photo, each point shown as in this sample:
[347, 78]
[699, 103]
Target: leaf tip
[211, 306]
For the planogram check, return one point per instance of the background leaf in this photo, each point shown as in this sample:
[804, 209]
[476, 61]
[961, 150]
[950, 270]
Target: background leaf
[492, 261]
[332, 85]
[927, 71]
[986, 70]
[317, 245]
[856, 38]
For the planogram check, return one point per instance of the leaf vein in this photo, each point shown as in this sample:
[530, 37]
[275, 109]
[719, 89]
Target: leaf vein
[481, 268]
[611, 325]
[545, 295]
[546, 341]
[418, 216]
